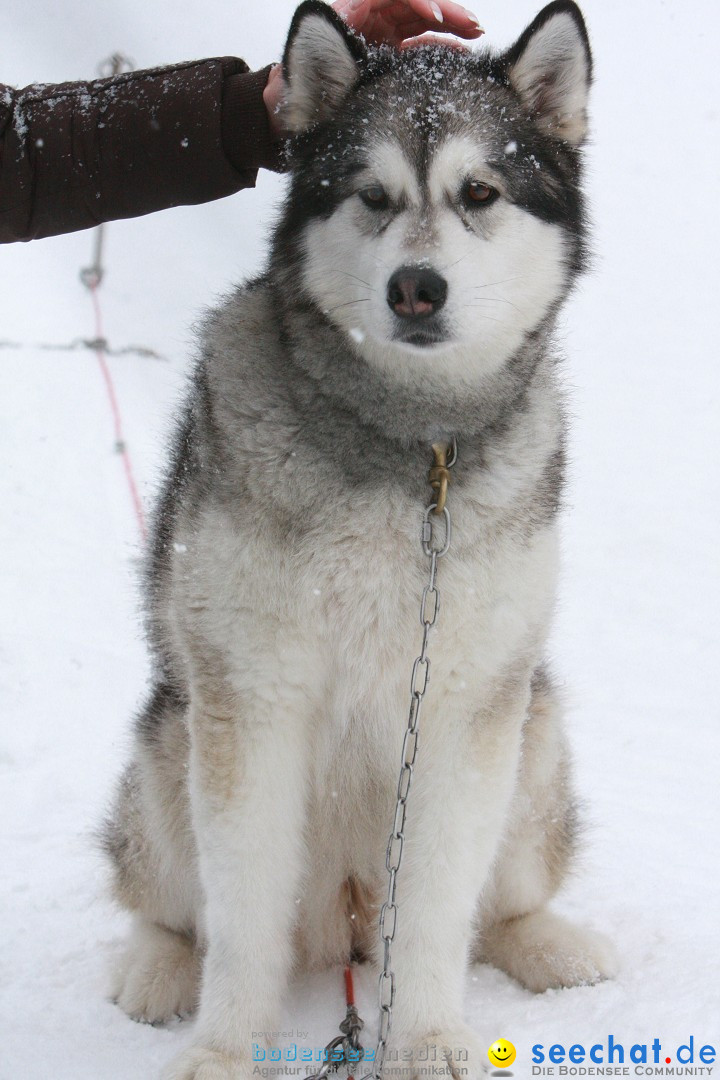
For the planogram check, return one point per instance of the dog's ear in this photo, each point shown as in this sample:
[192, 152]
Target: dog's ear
[550, 68]
[322, 63]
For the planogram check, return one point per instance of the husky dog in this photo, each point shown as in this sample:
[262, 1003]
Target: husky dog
[434, 226]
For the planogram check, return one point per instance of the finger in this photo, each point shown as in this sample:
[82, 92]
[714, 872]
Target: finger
[458, 16]
[412, 27]
[406, 20]
[455, 18]
[406, 24]
[433, 39]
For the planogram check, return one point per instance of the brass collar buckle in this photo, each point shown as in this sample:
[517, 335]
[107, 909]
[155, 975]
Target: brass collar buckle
[445, 457]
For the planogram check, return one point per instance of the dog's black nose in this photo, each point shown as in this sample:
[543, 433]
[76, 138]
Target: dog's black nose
[416, 293]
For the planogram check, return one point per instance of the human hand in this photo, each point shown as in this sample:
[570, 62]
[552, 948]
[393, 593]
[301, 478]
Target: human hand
[393, 21]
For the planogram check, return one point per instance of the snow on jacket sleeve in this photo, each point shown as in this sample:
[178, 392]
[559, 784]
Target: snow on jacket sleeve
[75, 154]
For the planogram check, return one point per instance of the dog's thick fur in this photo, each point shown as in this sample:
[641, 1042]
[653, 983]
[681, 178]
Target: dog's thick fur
[250, 829]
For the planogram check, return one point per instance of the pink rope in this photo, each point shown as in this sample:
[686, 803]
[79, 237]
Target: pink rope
[115, 409]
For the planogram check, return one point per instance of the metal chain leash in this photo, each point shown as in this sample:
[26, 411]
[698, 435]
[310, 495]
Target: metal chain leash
[434, 548]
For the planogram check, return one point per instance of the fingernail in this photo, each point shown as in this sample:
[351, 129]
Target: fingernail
[437, 12]
[473, 18]
[355, 4]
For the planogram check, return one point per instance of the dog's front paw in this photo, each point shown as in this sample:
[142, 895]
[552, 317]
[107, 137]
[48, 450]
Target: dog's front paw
[199, 1063]
[159, 976]
[454, 1052]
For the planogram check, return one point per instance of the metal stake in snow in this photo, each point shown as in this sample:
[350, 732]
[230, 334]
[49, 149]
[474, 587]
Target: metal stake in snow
[92, 277]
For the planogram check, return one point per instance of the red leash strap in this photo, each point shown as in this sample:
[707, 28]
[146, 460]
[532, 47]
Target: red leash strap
[349, 987]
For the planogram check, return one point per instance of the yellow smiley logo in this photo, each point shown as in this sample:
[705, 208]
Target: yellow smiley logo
[501, 1053]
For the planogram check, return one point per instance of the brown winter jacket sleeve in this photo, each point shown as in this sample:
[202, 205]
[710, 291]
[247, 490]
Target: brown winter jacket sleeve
[76, 154]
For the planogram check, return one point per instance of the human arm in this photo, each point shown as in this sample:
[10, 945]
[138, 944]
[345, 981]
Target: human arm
[77, 154]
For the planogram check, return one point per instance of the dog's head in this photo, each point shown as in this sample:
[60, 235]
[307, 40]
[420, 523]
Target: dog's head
[435, 214]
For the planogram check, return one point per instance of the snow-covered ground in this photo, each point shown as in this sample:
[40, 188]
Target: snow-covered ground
[637, 629]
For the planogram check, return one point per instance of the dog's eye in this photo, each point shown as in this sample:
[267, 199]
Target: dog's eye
[478, 194]
[375, 197]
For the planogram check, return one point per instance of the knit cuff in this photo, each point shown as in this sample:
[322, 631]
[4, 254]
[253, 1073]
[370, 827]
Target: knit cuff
[248, 142]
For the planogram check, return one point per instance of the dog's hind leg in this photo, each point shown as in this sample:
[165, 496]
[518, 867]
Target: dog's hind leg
[517, 933]
[148, 839]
